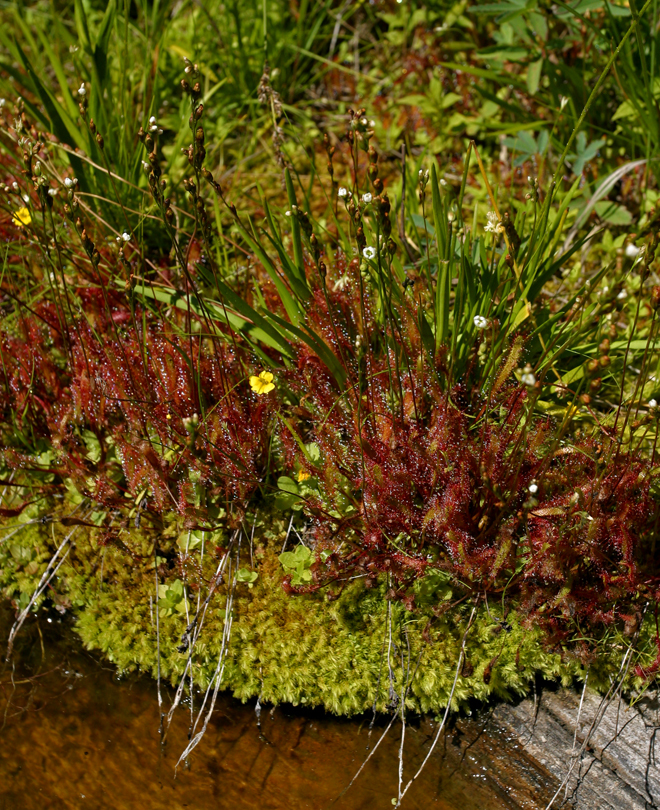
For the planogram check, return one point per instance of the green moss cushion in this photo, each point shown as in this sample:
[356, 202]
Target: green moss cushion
[347, 650]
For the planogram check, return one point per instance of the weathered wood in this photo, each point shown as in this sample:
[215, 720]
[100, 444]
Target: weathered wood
[616, 769]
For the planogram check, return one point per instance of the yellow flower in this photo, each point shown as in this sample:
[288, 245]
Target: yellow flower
[303, 476]
[22, 217]
[263, 383]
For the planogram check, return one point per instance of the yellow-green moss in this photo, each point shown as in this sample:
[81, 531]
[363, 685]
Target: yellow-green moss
[299, 649]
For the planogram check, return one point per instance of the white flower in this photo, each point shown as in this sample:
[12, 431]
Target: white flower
[364, 122]
[533, 488]
[632, 251]
[443, 182]
[14, 185]
[3, 101]
[653, 403]
[480, 322]
[126, 237]
[563, 101]
[494, 225]
[26, 198]
[341, 283]
[343, 192]
[623, 294]
[369, 253]
[154, 128]
[68, 182]
[81, 90]
[152, 120]
[287, 213]
[527, 377]
[52, 192]
[367, 198]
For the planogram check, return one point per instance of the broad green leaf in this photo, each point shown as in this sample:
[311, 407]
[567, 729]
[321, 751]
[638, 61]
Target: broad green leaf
[534, 76]
[613, 213]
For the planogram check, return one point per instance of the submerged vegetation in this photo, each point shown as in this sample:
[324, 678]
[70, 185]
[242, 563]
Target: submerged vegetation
[329, 359]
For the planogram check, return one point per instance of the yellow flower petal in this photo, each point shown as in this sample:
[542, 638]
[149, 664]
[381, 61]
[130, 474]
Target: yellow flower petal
[263, 383]
[22, 217]
[303, 476]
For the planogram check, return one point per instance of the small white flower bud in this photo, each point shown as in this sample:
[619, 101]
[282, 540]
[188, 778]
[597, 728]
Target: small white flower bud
[126, 237]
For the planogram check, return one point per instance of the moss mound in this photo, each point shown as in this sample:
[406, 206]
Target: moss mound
[347, 650]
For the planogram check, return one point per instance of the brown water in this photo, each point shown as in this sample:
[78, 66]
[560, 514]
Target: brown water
[73, 735]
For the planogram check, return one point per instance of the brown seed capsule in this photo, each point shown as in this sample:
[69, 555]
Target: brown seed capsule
[594, 385]
[604, 346]
[655, 297]
[378, 185]
[99, 140]
[605, 360]
[593, 366]
[585, 399]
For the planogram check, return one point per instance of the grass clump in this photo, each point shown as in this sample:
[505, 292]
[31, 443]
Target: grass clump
[439, 378]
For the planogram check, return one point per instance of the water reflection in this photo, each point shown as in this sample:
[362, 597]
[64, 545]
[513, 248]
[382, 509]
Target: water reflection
[72, 736]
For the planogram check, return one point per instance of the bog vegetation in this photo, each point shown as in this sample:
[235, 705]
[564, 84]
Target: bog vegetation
[336, 323]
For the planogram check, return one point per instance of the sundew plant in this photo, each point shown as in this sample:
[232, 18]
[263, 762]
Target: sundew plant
[416, 383]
